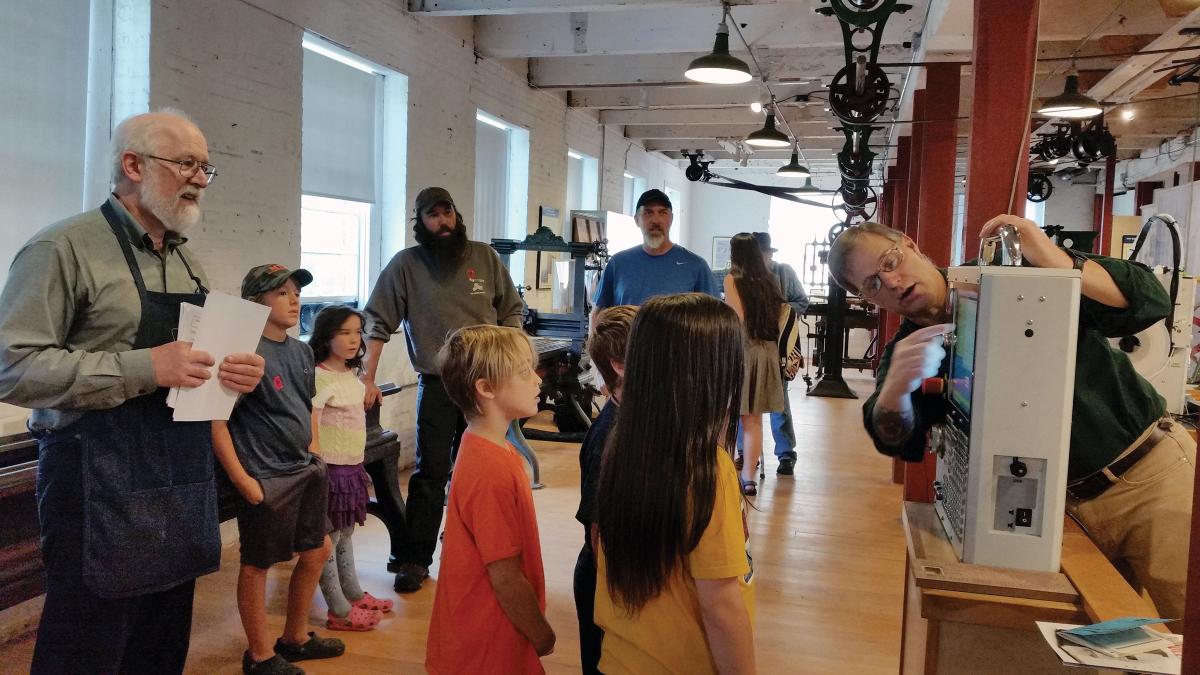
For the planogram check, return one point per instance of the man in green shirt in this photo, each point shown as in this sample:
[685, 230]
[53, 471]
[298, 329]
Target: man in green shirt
[126, 496]
[1130, 472]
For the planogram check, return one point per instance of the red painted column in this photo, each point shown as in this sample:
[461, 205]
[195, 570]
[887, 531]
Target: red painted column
[900, 171]
[1105, 230]
[939, 147]
[912, 224]
[1003, 61]
[1144, 194]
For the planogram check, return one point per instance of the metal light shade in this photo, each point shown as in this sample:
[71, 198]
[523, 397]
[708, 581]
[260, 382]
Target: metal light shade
[768, 136]
[794, 169]
[1071, 104]
[719, 67]
[808, 187]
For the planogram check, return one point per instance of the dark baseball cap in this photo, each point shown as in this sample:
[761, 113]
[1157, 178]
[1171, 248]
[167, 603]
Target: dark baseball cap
[764, 242]
[432, 196]
[269, 277]
[654, 196]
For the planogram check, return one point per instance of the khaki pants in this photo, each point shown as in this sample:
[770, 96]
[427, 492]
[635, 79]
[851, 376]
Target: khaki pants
[1143, 521]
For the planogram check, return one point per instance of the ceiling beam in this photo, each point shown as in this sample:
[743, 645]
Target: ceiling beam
[818, 64]
[511, 7]
[668, 30]
[687, 96]
[1137, 73]
[723, 131]
[739, 115]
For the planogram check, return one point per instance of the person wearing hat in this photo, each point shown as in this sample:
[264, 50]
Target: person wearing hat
[793, 293]
[443, 283]
[657, 267]
[87, 322]
[271, 456]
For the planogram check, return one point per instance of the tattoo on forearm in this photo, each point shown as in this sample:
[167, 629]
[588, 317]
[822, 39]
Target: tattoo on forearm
[893, 426]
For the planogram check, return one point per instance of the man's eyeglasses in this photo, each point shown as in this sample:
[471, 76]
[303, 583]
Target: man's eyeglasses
[188, 167]
[888, 262]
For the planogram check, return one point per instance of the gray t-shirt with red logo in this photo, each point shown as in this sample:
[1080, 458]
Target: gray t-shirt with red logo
[272, 425]
[431, 303]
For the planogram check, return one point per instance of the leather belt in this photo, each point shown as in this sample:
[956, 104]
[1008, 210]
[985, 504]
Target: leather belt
[1094, 485]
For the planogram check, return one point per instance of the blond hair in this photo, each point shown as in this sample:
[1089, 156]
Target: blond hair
[845, 244]
[489, 353]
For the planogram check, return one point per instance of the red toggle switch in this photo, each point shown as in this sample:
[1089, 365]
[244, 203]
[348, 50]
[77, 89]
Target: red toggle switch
[933, 386]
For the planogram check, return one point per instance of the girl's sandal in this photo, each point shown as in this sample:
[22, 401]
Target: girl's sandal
[368, 601]
[358, 619]
[749, 488]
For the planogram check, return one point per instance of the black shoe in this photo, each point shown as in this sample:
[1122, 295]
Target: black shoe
[409, 577]
[738, 461]
[276, 665]
[787, 466]
[314, 648]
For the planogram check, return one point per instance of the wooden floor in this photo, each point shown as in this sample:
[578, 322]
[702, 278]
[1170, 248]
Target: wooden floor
[827, 545]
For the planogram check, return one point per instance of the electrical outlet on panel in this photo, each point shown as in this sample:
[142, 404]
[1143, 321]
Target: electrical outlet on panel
[1018, 480]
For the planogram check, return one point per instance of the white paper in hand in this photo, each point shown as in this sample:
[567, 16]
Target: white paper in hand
[228, 325]
[189, 321]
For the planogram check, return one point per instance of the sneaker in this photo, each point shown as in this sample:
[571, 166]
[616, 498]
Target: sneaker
[410, 577]
[314, 648]
[275, 665]
[787, 466]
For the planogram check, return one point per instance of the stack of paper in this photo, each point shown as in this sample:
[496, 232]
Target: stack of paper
[225, 325]
[1122, 644]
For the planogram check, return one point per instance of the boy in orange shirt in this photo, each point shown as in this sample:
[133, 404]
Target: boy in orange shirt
[489, 610]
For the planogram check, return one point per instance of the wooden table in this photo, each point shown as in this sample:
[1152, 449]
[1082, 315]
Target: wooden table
[961, 618]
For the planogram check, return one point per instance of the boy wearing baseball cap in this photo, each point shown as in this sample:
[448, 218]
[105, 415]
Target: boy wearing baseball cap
[268, 450]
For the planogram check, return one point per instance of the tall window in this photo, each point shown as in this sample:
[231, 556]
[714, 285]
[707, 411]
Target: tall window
[353, 162]
[501, 185]
[634, 187]
[797, 230]
[58, 79]
[582, 182]
[678, 213]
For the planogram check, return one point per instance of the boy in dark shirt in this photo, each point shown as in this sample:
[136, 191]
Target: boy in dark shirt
[606, 346]
[269, 453]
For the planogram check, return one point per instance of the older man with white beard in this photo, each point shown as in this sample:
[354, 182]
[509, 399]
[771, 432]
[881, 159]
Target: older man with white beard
[126, 497]
[657, 267]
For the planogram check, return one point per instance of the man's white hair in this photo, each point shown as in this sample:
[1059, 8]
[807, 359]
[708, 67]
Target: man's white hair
[135, 134]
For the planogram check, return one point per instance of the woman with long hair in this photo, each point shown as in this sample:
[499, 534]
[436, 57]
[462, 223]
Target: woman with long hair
[674, 586]
[754, 294]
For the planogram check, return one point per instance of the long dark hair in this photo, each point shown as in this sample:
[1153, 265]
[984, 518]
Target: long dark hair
[328, 322]
[758, 288]
[679, 406]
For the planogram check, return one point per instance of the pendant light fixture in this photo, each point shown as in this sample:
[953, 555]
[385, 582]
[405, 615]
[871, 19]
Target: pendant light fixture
[719, 67]
[769, 136]
[794, 169]
[808, 188]
[1071, 104]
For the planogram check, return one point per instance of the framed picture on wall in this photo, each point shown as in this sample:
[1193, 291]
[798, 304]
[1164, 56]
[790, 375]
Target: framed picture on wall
[720, 253]
[545, 270]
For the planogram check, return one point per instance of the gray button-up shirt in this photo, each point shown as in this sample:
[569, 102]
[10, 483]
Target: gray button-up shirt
[69, 314]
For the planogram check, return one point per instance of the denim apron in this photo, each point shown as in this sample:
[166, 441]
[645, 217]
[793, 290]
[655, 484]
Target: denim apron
[150, 501]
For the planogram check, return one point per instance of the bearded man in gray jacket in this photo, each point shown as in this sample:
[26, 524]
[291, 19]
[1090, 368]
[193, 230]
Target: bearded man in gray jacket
[443, 283]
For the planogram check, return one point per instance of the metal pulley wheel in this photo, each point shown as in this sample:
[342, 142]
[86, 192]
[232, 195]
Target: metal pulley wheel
[1040, 188]
[859, 93]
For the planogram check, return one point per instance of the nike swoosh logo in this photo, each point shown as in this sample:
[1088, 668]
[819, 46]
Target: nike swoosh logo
[680, 263]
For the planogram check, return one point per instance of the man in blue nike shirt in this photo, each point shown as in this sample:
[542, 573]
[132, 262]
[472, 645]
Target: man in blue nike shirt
[658, 266]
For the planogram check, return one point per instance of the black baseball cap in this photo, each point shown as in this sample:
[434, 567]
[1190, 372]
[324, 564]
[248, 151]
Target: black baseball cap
[764, 242]
[269, 277]
[654, 196]
[432, 196]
